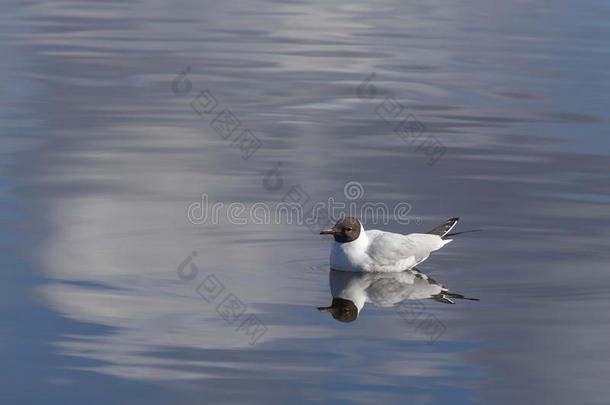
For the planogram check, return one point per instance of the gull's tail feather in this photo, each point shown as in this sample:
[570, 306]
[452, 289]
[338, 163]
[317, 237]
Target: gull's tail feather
[443, 229]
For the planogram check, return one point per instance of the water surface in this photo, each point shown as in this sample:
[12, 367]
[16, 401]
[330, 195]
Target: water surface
[102, 155]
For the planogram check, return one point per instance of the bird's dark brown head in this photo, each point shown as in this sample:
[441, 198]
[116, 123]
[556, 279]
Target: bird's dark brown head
[345, 230]
[342, 310]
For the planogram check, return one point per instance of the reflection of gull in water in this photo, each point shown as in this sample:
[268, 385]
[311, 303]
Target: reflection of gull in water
[351, 290]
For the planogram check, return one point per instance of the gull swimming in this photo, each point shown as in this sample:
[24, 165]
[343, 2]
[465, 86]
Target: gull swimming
[377, 251]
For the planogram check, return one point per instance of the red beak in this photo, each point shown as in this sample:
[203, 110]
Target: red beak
[327, 232]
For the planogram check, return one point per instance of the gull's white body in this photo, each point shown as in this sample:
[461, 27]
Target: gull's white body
[379, 251]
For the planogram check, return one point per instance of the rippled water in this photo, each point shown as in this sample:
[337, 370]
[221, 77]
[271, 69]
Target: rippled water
[110, 293]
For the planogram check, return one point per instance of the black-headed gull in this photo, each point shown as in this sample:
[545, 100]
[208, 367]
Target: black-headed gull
[351, 290]
[377, 251]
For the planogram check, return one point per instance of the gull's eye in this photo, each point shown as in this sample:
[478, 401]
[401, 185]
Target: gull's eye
[348, 228]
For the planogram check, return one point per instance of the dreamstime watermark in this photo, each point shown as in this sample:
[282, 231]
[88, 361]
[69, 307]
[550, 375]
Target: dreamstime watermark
[296, 205]
[406, 126]
[226, 125]
[228, 306]
[290, 210]
[413, 312]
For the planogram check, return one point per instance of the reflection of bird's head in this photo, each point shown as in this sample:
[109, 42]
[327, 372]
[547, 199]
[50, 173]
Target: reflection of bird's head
[342, 310]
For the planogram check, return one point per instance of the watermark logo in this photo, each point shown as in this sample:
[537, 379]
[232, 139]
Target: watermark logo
[413, 312]
[353, 190]
[226, 125]
[290, 210]
[366, 89]
[406, 125]
[228, 306]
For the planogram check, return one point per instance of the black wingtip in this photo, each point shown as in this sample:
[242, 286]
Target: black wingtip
[443, 229]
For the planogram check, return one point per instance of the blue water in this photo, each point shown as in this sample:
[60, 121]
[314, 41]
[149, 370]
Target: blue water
[103, 152]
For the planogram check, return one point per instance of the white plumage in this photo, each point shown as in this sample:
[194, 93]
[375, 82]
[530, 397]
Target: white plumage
[379, 251]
